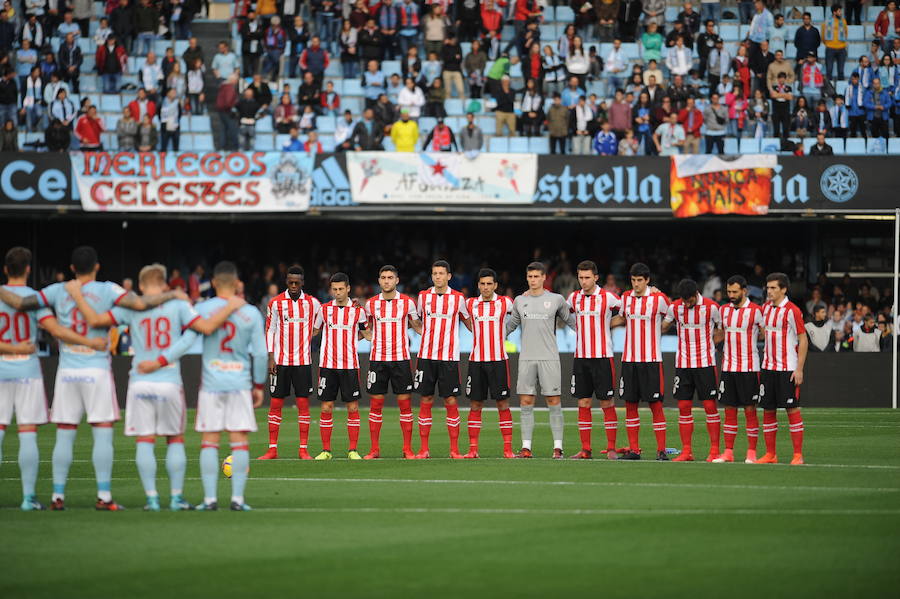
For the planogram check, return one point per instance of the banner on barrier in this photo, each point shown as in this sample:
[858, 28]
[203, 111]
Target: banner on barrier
[193, 182]
[705, 184]
[441, 178]
[35, 180]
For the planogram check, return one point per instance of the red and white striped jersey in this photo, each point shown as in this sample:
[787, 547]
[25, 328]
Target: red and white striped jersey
[741, 326]
[440, 314]
[783, 323]
[389, 320]
[643, 325]
[340, 334]
[289, 328]
[695, 332]
[593, 313]
[489, 327]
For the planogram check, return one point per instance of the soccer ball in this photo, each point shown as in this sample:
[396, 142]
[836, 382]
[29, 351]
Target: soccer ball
[226, 467]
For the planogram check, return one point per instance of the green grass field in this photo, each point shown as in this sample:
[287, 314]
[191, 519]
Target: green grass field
[491, 527]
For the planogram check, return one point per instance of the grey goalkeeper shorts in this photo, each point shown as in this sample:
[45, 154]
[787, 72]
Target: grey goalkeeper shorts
[545, 373]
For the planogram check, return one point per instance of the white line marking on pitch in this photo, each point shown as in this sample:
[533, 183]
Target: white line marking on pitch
[590, 512]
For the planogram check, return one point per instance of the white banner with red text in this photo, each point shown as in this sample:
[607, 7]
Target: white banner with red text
[193, 181]
[441, 178]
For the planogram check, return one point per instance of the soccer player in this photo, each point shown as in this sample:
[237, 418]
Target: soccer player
[437, 364]
[390, 313]
[342, 323]
[290, 317]
[643, 309]
[741, 319]
[536, 312]
[698, 324]
[234, 370]
[84, 382]
[488, 362]
[782, 368]
[154, 404]
[593, 371]
[21, 381]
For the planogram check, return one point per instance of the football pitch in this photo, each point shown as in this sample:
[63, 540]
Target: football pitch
[479, 528]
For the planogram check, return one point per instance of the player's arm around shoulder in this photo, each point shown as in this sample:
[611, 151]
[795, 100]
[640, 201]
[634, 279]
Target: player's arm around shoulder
[94, 320]
[52, 326]
[141, 303]
[564, 312]
[19, 349]
[207, 326]
[25, 303]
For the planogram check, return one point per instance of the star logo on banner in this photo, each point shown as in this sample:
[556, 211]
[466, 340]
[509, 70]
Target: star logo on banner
[438, 168]
[839, 183]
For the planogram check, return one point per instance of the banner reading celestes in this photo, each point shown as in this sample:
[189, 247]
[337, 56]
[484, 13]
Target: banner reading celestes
[441, 178]
[193, 182]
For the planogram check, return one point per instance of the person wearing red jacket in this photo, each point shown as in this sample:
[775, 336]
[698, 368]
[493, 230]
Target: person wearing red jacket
[491, 18]
[88, 129]
[141, 106]
[330, 100]
[692, 120]
[226, 100]
[312, 145]
[112, 62]
[887, 25]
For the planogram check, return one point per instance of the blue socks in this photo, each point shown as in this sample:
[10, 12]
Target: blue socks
[28, 461]
[209, 472]
[240, 465]
[62, 460]
[146, 465]
[176, 463]
[103, 460]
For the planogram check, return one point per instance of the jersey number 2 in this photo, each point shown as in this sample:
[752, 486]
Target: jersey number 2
[230, 331]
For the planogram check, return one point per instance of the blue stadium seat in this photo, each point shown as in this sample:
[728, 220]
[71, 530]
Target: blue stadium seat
[872, 12]
[264, 141]
[354, 105]
[426, 124]
[110, 141]
[548, 32]
[326, 124]
[200, 123]
[88, 83]
[327, 142]
[518, 145]
[499, 144]
[334, 69]
[352, 87]
[389, 145]
[631, 50]
[808, 143]
[264, 125]
[840, 86]
[110, 103]
[731, 146]
[455, 123]
[564, 14]
[817, 13]
[185, 142]
[111, 120]
[876, 145]
[515, 70]
[672, 13]
[180, 47]
[203, 142]
[95, 98]
[894, 145]
[836, 143]
[749, 145]
[86, 45]
[769, 145]
[856, 146]
[856, 33]
[729, 33]
[488, 124]
[539, 145]
[454, 106]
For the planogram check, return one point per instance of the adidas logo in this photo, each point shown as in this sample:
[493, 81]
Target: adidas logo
[330, 185]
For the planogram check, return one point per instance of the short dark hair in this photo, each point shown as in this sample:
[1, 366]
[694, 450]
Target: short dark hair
[225, 270]
[389, 267]
[296, 269]
[441, 264]
[538, 266]
[587, 265]
[340, 277]
[17, 261]
[737, 280]
[687, 288]
[639, 269]
[84, 259]
[807, 14]
[782, 279]
[487, 272]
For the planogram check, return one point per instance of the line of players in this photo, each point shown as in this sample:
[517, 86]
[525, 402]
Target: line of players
[164, 326]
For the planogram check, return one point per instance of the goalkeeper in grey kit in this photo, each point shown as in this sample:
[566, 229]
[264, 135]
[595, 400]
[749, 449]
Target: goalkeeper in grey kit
[535, 312]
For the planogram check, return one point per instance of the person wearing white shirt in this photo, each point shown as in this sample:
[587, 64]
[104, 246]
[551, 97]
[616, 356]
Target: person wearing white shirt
[63, 108]
[412, 98]
[344, 130]
[614, 67]
[583, 115]
[669, 136]
[52, 88]
[678, 58]
[151, 75]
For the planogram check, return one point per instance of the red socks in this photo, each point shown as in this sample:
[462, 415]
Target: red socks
[795, 420]
[659, 424]
[303, 421]
[685, 423]
[770, 430]
[611, 423]
[274, 421]
[633, 426]
[406, 422]
[585, 424]
[377, 403]
[506, 428]
[731, 427]
[425, 424]
[474, 426]
[713, 422]
[453, 427]
[752, 419]
[326, 424]
[353, 429]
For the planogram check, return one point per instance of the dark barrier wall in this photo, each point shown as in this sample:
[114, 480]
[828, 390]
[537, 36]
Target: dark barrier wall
[831, 380]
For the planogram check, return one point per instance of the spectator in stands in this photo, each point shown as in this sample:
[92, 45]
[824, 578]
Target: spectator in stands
[70, 60]
[558, 125]
[388, 20]
[496, 72]
[26, 59]
[760, 27]
[248, 109]
[719, 64]
[62, 108]
[800, 118]
[811, 79]
[9, 137]
[33, 31]
[371, 42]
[286, 116]
[343, 132]
[654, 13]
[251, 32]
[147, 136]
[759, 67]
[606, 14]
[820, 148]
[781, 96]
[878, 105]
[504, 112]
[7, 33]
[678, 58]
[572, 92]
[409, 25]
[468, 20]
[532, 107]
[820, 331]
[651, 43]
[48, 64]
[806, 40]
[121, 21]
[434, 101]
[394, 86]
[779, 65]
[431, 70]
[385, 113]
[451, 57]
[740, 65]
[33, 101]
[887, 25]
[293, 144]
[142, 105]
[474, 65]
[226, 100]
[629, 145]
[737, 112]
[886, 71]
[57, 137]
[195, 86]
[367, 134]
[225, 64]
[692, 120]
[126, 131]
[405, 132]
[274, 40]
[146, 24]
[103, 31]
[170, 120]
[299, 36]
[312, 145]
[840, 118]
[262, 93]
[152, 77]
[706, 43]
[605, 142]
[715, 117]
[620, 113]
[9, 96]
[176, 80]
[307, 121]
[440, 139]
[867, 337]
[577, 63]
[88, 130]
[374, 83]
[435, 28]
[471, 137]
[821, 119]
[310, 92]
[193, 53]
[835, 34]
[112, 61]
[581, 116]
[411, 98]
[315, 59]
[330, 100]
[349, 44]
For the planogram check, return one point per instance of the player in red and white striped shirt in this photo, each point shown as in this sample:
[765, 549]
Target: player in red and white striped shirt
[437, 365]
[741, 320]
[488, 362]
[593, 371]
[390, 314]
[782, 367]
[341, 322]
[290, 320]
[643, 309]
[697, 319]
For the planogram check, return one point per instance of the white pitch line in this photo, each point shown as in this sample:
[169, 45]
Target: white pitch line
[593, 512]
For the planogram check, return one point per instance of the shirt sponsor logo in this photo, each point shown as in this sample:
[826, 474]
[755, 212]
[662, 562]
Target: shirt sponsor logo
[224, 366]
[71, 378]
[77, 349]
[14, 357]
